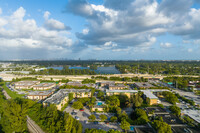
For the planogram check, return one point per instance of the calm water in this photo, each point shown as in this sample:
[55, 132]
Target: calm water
[101, 70]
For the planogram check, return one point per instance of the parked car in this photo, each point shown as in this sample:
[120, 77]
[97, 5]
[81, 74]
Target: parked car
[77, 118]
[81, 109]
[73, 113]
[96, 122]
[106, 122]
[85, 121]
[75, 110]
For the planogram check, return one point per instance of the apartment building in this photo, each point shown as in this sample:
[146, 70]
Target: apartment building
[25, 84]
[44, 86]
[116, 86]
[39, 95]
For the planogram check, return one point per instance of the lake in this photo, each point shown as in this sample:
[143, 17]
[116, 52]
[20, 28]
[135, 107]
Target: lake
[101, 70]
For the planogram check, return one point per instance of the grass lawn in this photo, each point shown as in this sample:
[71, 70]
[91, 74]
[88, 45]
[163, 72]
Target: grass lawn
[12, 94]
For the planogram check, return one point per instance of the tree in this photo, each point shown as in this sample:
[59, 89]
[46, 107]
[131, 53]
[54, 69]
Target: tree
[124, 101]
[113, 101]
[103, 117]
[139, 116]
[161, 127]
[137, 100]
[14, 116]
[92, 117]
[125, 125]
[170, 97]
[123, 116]
[113, 119]
[118, 110]
[77, 105]
[176, 110]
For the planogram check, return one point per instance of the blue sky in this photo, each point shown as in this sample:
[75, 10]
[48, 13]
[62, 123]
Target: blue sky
[100, 29]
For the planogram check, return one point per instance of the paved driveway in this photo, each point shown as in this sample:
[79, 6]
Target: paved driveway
[83, 115]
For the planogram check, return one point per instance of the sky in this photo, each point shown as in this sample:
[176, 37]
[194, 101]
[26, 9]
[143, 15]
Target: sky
[100, 29]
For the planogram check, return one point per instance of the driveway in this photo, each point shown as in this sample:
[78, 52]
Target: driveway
[83, 115]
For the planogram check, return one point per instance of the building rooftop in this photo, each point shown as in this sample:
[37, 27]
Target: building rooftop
[44, 84]
[117, 85]
[74, 82]
[57, 97]
[75, 90]
[170, 119]
[121, 91]
[26, 83]
[149, 94]
[194, 114]
[39, 93]
[108, 82]
[143, 84]
[156, 110]
[184, 129]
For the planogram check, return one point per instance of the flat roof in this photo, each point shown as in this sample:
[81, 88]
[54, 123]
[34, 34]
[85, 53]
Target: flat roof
[194, 114]
[149, 94]
[75, 90]
[156, 110]
[108, 82]
[74, 82]
[143, 84]
[26, 83]
[121, 91]
[39, 93]
[44, 85]
[117, 85]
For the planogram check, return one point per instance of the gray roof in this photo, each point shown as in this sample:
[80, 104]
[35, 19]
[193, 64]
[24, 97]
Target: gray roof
[143, 84]
[108, 82]
[194, 114]
[44, 84]
[39, 93]
[121, 91]
[57, 97]
[61, 94]
[26, 83]
[150, 95]
[75, 90]
[117, 85]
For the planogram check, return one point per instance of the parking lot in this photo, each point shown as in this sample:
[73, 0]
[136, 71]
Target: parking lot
[83, 118]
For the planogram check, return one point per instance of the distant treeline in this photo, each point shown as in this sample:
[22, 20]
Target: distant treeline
[166, 68]
[64, 71]
[142, 66]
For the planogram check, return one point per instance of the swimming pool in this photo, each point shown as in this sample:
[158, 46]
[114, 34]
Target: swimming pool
[99, 103]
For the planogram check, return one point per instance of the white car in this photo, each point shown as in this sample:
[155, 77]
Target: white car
[77, 118]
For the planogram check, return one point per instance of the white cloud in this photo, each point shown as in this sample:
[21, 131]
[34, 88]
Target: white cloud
[85, 31]
[190, 50]
[24, 34]
[166, 45]
[53, 24]
[0, 11]
[46, 15]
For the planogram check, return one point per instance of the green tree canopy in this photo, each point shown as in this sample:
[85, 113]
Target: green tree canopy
[92, 117]
[77, 105]
[103, 117]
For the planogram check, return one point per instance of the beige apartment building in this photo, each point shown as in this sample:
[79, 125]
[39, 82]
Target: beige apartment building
[116, 86]
[25, 84]
[44, 86]
[39, 95]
